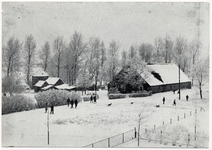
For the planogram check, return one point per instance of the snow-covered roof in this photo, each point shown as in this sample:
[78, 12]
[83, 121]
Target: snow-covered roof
[52, 80]
[150, 79]
[168, 73]
[65, 87]
[47, 87]
[39, 83]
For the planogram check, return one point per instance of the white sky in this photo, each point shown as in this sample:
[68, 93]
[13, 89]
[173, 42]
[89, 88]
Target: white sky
[127, 23]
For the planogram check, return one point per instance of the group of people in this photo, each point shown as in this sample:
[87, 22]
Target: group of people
[52, 108]
[174, 102]
[72, 102]
[93, 99]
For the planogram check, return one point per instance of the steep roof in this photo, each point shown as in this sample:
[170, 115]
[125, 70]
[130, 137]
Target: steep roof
[168, 73]
[52, 80]
[39, 83]
[47, 87]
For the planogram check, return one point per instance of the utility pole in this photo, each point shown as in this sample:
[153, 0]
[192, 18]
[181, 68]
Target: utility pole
[48, 126]
[179, 80]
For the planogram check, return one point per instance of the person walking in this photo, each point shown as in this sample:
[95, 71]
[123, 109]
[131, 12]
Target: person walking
[46, 107]
[174, 91]
[72, 103]
[76, 103]
[52, 109]
[91, 99]
[174, 102]
[68, 101]
[163, 100]
[187, 97]
[94, 98]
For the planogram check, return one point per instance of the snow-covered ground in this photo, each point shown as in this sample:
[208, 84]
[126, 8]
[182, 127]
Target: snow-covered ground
[93, 122]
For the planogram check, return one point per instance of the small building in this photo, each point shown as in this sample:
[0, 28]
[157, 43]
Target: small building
[39, 76]
[52, 82]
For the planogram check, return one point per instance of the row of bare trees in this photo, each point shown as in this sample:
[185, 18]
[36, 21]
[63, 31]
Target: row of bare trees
[84, 63]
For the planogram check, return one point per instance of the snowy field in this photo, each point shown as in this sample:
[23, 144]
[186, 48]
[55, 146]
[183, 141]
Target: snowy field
[90, 122]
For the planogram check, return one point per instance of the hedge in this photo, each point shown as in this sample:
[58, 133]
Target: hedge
[17, 103]
[116, 96]
[143, 94]
[55, 97]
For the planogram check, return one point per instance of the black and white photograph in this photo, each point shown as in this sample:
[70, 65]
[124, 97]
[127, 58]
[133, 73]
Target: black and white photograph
[92, 74]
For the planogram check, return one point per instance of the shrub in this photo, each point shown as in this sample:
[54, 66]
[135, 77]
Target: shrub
[55, 97]
[116, 96]
[113, 90]
[16, 103]
[12, 85]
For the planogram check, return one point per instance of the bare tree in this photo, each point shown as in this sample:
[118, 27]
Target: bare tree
[45, 55]
[180, 49]
[158, 49]
[103, 60]
[201, 72]
[145, 52]
[11, 56]
[141, 120]
[194, 47]
[77, 47]
[58, 48]
[29, 56]
[123, 58]
[112, 59]
[167, 49]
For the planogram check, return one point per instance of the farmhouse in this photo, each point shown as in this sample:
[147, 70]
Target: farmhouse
[156, 78]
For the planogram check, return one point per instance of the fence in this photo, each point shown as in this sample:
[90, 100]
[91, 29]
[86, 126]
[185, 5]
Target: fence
[114, 140]
[175, 138]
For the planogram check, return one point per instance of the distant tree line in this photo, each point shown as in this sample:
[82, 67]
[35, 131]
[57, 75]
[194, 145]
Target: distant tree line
[83, 63]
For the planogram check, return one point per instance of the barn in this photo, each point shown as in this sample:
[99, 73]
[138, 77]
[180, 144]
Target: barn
[162, 78]
[156, 78]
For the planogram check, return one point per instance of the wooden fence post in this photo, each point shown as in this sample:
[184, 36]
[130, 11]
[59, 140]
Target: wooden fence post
[170, 121]
[178, 118]
[92, 145]
[108, 142]
[123, 137]
[135, 132]
[184, 115]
